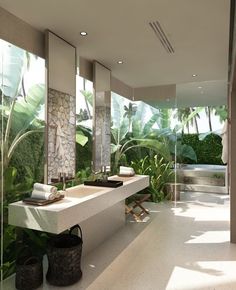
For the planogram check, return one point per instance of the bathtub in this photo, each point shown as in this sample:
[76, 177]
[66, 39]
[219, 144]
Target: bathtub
[203, 177]
[204, 167]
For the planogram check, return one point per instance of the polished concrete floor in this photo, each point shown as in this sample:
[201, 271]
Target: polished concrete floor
[181, 246]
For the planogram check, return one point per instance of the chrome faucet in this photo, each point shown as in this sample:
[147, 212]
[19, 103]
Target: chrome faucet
[95, 173]
[104, 173]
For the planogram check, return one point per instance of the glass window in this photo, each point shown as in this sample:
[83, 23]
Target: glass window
[22, 86]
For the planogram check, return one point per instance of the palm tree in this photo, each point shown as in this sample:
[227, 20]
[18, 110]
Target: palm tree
[196, 116]
[182, 115]
[208, 113]
[188, 116]
[130, 111]
[88, 99]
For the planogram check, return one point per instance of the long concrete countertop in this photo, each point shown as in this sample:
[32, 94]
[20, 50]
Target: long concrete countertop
[80, 203]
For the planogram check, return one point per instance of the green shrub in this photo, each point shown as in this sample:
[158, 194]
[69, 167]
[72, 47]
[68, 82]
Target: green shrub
[160, 172]
[28, 158]
[208, 150]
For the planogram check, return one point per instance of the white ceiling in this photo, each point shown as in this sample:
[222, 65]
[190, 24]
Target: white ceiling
[198, 31]
[195, 94]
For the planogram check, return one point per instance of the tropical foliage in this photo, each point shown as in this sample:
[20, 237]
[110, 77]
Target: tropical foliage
[150, 147]
[208, 149]
[189, 117]
[21, 128]
[160, 172]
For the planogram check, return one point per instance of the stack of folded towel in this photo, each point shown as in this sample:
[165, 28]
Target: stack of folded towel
[44, 191]
[126, 171]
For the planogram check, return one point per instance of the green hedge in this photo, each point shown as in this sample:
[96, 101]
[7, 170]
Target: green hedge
[28, 158]
[208, 150]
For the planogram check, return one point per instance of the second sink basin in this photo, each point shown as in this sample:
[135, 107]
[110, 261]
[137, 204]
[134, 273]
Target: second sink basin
[81, 191]
[104, 183]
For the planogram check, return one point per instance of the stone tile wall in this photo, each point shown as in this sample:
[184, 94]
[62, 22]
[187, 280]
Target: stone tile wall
[61, 133]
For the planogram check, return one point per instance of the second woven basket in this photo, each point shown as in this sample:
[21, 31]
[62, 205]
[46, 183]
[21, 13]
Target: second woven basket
[64, 258]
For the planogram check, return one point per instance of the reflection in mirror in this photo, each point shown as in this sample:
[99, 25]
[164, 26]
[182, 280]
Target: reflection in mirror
[84, 119]
[102, 117]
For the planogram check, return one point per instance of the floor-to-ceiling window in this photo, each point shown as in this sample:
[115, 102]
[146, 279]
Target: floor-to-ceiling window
[22, 89]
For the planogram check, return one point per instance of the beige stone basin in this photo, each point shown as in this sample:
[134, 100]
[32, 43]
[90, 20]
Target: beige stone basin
[81, 191]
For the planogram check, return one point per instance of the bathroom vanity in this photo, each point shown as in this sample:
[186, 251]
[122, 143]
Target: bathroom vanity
[99, 210]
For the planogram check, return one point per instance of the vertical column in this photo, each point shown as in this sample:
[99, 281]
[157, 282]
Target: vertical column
[232, 157]
[232, 124]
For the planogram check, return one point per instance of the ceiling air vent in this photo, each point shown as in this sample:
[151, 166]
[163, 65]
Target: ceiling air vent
[158, 30]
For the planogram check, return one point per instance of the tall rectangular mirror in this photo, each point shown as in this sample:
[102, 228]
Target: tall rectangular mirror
[61, 124]
[102, 116]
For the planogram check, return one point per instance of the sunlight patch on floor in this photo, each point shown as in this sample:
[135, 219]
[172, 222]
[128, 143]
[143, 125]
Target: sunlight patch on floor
[203, 214]
[210, 237]
[206, 275]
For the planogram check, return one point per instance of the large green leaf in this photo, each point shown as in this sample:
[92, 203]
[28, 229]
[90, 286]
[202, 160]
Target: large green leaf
[165, 118]
[148, 126]
[139, 120]
[88, 96]
[81, 138]
[12, 68]
[186, 151]
[154, 145]
[27, 110]
[117, 110]
[120, 132]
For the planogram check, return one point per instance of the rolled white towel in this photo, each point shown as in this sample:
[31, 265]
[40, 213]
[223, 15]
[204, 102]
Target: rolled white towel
[57, 194]
[43, 195]
[126, 170]
[45, 188]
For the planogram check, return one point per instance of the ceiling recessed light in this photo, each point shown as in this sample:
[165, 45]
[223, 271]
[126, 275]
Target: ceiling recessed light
[120, 62]
[194, 75]
[83, 33]
[199, 87]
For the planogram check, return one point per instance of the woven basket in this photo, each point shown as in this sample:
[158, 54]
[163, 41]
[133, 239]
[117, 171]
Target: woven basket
[29, 271]
[64, 258]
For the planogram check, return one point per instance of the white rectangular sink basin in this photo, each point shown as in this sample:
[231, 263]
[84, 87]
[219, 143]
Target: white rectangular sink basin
[80, 203]
[81, 191]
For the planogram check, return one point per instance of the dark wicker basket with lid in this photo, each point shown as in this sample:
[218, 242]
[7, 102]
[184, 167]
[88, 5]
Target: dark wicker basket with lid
[29, 271]
[64, 258]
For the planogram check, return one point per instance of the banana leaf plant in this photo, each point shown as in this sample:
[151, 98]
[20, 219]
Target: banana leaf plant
[123, 140]
[19, 108]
